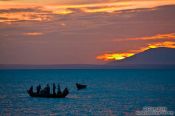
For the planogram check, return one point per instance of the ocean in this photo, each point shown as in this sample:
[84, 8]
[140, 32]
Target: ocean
[110, 92]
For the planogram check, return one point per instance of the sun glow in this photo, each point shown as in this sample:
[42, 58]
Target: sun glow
[121, 56]
[114, 56]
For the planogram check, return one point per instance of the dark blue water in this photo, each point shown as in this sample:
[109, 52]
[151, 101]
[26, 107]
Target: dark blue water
[109, 92]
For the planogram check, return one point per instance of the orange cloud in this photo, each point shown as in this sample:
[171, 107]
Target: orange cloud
[170, 36]
[156, 37]
[129, 53]
[33, 33]
[22, 16]
[114, 56]
[169, 44]
[91, 7]
[107, 6]
[45, 10]
[120, 56]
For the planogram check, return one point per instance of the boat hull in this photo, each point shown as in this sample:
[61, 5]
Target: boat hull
[80, 86]
[61, 95]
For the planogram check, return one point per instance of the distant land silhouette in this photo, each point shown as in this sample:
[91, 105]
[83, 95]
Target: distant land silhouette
[152, 58]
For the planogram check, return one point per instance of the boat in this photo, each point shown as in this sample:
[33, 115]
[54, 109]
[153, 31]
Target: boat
[80, 86]
[60, 95]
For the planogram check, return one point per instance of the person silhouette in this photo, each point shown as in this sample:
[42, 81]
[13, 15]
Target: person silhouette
[59, 90]
[31, 89]
[54, 87]
[66, 91]
[48, 89]
[38, 88]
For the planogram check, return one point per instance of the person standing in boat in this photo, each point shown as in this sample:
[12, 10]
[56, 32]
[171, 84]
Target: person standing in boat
[59, 90]
[54, 87]
[38, 88]
[31, 89]
[48, 89]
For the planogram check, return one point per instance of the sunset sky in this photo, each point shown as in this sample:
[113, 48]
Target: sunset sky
[82, 31]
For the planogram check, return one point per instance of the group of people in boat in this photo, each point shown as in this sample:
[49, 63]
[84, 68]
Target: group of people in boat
[46, 90]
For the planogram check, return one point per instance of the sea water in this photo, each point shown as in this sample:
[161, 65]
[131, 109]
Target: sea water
[110, 92]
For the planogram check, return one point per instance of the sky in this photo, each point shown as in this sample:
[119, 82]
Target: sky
[83, 31]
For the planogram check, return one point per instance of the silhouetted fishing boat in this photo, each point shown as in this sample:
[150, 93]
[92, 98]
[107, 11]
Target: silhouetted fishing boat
[60, 95]
[80, 86]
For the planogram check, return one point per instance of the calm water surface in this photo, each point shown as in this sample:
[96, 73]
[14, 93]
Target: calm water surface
[109, 92]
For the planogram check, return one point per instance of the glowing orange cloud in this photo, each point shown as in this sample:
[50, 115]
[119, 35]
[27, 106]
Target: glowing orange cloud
[168, 44]
[33, 33]
[107, 7]
[23, 16]
[156, 37]
[114, 56]
[170, 36]
[65, 9]
[120, 56]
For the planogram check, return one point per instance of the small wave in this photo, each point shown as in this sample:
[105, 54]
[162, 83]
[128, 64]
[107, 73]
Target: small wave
[73, 96]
